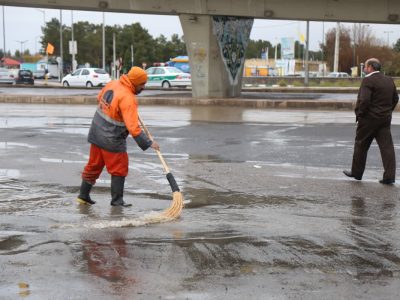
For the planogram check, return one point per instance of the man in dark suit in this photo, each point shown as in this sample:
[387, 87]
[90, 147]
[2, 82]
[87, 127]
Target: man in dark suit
[376, 101]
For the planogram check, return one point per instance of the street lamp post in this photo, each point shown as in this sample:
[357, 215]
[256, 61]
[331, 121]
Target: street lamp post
[104, 44]
[4, 35]
[73, 42]
[322, 49]
[36, 42]
[336, 55]
[388, 33]
[44, 15]
[61, 48]
[44, 20]
[354, 45]
[22, 43]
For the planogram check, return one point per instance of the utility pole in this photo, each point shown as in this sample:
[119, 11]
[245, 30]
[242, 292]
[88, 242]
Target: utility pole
[322, 50]
[131, 56]
[114, 75]
[73, 42]
[104, 44]
[354, 45]
[4, 35]
[306, 75]
[61, 48]
[336, 57]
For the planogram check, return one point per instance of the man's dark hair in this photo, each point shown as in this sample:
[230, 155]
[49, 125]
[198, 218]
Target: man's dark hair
[374, 63]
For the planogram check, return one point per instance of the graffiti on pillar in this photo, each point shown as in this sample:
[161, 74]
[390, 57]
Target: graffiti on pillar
[199, 57]
[233, 35]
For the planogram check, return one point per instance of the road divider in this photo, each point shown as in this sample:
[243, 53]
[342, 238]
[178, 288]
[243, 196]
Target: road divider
[189, 101]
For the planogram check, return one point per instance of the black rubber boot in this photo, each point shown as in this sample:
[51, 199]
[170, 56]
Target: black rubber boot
[84, 197]
[117, 191]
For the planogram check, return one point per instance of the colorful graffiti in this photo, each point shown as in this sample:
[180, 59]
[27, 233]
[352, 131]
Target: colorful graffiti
[233, 35]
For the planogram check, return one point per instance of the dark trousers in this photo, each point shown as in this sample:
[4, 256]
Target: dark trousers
[369, 129]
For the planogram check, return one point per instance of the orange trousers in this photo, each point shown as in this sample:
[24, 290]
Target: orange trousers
[117, 164]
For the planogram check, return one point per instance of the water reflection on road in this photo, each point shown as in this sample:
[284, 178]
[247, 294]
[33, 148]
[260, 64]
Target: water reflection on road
[268, 213]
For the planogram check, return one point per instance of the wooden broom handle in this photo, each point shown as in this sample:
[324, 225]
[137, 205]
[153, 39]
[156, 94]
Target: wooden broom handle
[166, 169]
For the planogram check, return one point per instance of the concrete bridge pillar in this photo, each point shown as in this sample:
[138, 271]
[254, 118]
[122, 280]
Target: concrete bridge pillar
[216, 48]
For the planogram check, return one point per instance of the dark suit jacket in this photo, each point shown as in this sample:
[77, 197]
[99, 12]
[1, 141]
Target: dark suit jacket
[377, 97]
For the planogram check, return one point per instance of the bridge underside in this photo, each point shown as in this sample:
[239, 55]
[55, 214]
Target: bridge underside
[216, 32]
[368, 11]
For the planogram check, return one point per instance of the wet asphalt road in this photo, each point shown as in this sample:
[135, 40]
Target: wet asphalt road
[268, 214]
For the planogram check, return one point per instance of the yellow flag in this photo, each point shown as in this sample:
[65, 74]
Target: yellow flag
[50, 48]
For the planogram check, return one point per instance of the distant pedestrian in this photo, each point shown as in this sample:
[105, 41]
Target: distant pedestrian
[116, 117]
[376, 100]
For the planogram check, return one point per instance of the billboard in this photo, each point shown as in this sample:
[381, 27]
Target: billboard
[287, 48]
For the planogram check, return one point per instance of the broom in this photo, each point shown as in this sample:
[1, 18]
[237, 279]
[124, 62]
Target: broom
[175, 209]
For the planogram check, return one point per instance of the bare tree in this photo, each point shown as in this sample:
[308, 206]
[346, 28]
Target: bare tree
[357, 44]
[345, 50]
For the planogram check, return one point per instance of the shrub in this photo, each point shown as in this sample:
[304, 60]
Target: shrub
[282, 83]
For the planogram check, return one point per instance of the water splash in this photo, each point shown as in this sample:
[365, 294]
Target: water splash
[147, 219]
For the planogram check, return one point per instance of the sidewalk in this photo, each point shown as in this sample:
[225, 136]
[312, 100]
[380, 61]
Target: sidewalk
[263, 97]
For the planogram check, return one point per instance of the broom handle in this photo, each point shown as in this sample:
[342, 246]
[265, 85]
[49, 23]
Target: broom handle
[166, 169]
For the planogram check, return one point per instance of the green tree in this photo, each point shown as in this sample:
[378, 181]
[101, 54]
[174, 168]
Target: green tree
[166, 49]
[51, 34]
[299, 50]
[89, 44]
[396, 46]
[256, 48]
[144, 46]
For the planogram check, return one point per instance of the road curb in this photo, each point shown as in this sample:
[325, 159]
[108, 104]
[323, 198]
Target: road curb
[233, 102]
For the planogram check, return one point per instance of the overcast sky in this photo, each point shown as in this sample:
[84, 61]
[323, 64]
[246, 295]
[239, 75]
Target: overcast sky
[23, 27]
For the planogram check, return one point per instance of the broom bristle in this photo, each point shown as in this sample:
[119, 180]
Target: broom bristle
[175, 209]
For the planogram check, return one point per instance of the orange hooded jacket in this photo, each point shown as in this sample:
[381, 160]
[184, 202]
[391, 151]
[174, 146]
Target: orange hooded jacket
[116, 117]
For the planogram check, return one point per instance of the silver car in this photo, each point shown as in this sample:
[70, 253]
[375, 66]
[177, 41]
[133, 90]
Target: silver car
[6, 76]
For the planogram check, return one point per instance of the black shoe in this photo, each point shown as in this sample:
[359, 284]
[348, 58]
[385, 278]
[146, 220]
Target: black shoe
[386, 181]
[349, 174]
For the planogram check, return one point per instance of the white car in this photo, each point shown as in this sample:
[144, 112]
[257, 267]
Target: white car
[338, 75]
[167, 77]
[88, 77]
[6, 76]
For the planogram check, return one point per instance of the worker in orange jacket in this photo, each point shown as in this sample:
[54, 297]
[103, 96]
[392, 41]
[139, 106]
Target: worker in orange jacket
[116, 117]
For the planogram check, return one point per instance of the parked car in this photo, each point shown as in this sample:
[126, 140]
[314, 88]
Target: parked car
[338, 75]
[167, 77]
[88, 77]
[24, 77]
[6, 76]
[39, 74]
